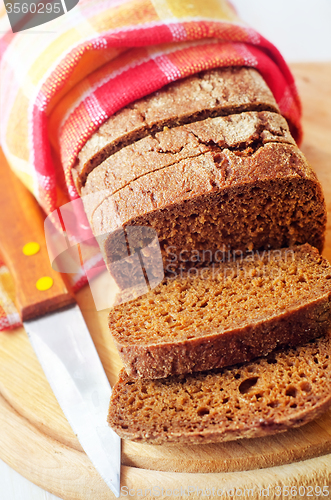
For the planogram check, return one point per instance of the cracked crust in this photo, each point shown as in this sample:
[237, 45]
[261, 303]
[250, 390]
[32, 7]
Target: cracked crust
[222, 91]
[269, 395]
[226, 314]
[242, 133]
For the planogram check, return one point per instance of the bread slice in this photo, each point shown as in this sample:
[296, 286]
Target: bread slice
[284, 390]
[221, 91]
[221, 315]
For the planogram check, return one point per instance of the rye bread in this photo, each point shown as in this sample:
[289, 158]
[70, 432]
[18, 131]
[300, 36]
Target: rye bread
[221, 315]
[284, 390]
[268, 199]
[241, 133]
[221, 91]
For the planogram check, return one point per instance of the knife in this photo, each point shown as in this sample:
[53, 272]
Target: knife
[56, 327]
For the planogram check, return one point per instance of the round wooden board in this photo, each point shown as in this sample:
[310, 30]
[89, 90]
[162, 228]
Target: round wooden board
[37, 441]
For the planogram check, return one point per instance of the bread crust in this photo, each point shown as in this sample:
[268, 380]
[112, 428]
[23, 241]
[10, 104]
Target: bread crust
[237, 345]
[241, 133]
[285, 390]
[159, 351]
[221, 91]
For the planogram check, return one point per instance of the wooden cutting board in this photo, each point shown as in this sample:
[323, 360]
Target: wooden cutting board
[37, 441]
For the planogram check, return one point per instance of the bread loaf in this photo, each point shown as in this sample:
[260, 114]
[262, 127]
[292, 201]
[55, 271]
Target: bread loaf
[209, 165]
[198, 179]
[221, 315]
[284, 390]
[269, 199]
[221, 91]
[177, 147]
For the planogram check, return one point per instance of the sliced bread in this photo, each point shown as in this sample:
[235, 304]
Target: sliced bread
[221, 91]
[284, 390]
[268, 199]
[221, 315]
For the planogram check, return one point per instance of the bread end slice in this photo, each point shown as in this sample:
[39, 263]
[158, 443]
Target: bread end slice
[286, 389]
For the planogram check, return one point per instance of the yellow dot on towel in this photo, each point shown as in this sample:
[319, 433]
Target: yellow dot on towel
[31, 248]
[44, 283]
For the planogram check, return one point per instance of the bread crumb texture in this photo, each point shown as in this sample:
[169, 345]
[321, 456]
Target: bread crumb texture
[226, 314]
[259, 286]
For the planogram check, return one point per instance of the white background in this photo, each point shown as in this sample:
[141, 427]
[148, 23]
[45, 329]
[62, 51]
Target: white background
[301, 30]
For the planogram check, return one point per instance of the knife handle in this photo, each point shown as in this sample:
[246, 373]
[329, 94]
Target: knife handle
[22, 222]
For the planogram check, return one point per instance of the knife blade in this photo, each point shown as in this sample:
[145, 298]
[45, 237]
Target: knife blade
[56, 328]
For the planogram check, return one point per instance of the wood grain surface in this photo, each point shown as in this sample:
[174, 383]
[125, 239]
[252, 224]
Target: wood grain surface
[37, 441]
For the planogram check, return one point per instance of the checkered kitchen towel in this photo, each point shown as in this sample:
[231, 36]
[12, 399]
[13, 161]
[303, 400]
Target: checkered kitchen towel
[58, 84]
